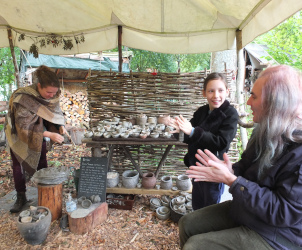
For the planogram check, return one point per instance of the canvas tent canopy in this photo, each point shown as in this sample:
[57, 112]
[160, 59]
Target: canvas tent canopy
[167, 26]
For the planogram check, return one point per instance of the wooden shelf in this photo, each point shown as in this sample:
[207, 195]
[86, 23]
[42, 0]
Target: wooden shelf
[117, 190]
[94, 142]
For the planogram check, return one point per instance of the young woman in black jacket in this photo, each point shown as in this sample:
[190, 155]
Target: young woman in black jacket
[212, 127]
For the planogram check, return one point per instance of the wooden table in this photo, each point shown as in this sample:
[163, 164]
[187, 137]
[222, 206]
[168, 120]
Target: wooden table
[122, 142]
[114, 142]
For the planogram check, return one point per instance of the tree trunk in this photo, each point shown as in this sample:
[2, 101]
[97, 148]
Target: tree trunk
[50, 196]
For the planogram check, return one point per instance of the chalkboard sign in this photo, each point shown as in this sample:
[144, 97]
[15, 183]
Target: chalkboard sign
[93, 177]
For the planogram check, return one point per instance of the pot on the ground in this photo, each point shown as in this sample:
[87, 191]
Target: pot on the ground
[35, 232]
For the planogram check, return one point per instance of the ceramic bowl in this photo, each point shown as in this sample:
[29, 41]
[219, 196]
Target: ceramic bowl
[135, 134]
[88, 134]
[115, 135]
[189, 197]
[189, 205]
[154, 135]
[163, 210]
[98, 134]
[86, 203]
[162, 216]
[26, 219]
[155, 203]
[167, 135]
[24, 213]
[143, 136]
[124, 135]
[107, 135]
[180, 200]
[82, 198]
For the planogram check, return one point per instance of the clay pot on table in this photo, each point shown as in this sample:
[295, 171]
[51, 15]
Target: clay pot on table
[141, 120]
[183, 182]
[166, 182]
[130, 178]
[149, 180]
[113, 179]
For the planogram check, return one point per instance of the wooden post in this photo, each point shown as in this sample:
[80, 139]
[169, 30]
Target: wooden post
[120, 53]
[50, 196]
[240, 83]
[11, 45]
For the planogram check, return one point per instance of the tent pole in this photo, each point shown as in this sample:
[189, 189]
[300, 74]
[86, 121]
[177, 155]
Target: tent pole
[11, 45]
[120, 54]
[240, 83]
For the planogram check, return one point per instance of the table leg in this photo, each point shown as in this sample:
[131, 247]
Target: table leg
[128, 153]
[163, 159]
[109, 156]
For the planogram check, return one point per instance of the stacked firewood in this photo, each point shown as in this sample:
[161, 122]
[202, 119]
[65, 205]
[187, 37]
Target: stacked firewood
[75, 108]
[3, 107]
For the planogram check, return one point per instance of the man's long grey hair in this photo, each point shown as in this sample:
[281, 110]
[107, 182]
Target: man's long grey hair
[281, 121]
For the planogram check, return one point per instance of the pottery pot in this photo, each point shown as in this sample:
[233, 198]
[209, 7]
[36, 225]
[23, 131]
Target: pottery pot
[162, 213]
[183, 182]
[141, 120]
[113, 179]
[149, 180]
[35, 233]
[130, 178]
[166, 182]
[152, 120]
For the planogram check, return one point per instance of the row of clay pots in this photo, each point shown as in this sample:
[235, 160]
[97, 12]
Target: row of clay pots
[130, 179]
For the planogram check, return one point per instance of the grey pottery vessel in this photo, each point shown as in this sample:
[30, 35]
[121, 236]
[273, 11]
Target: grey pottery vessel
[163, 213]
[166, 182]
[183, 182]
[130, 178]
[35, 233]
[112, 182]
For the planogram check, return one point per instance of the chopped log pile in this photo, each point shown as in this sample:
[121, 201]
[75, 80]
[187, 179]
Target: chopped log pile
[75, 108]
[3, 107]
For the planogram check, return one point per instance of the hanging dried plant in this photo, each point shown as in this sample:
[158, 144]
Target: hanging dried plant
[34, 50]
[82, 38]
[52, 39]
[21, 37]
[42, 43]
[67, 44]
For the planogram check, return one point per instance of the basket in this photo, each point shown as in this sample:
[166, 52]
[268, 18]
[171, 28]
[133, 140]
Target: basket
[124, 202]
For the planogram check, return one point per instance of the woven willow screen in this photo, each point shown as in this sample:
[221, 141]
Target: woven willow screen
[124, 95]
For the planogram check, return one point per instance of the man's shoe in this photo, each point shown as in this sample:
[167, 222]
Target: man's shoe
[20, 202]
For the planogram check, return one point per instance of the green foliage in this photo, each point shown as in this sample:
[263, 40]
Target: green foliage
[144, 60]
[7, 77]
[193, 62]
[285, 41]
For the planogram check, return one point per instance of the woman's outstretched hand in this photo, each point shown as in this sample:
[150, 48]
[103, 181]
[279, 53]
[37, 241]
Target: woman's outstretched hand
[174, 124]
[210, 168]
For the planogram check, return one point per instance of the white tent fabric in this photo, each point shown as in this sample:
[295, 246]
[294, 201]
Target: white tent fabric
[167, 26]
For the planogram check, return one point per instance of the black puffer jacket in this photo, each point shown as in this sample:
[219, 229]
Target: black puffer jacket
[214, 131]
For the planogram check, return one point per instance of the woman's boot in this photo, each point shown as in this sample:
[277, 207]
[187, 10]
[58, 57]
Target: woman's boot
[20, 202]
